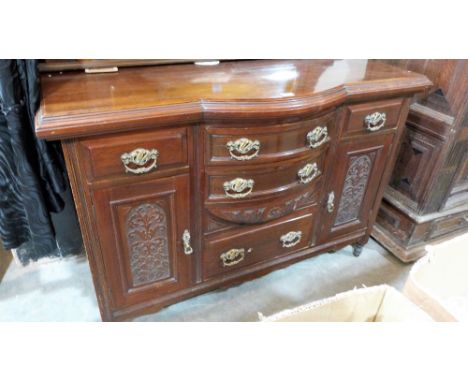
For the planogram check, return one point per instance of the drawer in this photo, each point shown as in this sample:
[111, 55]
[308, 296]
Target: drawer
[222, 215]
[134, 154]
[371, 117]
[253, 182]
[238, 144]
[265, 242]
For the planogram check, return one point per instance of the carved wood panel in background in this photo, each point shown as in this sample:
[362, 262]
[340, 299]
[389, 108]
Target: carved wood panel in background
[354, 188]
[414, 166]
[148, 243]
[256, 215]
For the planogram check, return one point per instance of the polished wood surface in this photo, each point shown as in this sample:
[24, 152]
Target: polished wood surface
[82, 104]
[279, 141]
[226, 216]
[268, 179]
[248, 154]
[139, 231]
[354, 183]
[357, 114]
[260, 243]
[102, 155]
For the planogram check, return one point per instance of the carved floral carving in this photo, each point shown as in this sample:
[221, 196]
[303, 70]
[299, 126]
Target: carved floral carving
[257, 215]
[148, 246]
[354, 188]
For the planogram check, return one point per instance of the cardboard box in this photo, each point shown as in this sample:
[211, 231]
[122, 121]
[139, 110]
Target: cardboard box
[374, 304]
[438, 283]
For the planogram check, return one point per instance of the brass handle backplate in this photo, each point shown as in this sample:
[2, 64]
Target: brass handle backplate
[238, 188]
[133, 161]
[375, 121]
[240, 148]
[308, 173]
[291, 239]
[188, 250]
[233, 256]
[318, 136]
[331, 202]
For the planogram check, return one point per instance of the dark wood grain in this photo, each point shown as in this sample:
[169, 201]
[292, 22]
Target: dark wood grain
[149, 219]
[260, 243]
[102, 155]
[358, 113]
[277, 141]
[222, 215]
[133, 223]
[77, 104]
[273, 178]
[362, 163]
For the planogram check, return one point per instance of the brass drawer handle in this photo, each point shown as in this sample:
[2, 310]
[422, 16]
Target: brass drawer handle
[140, 157]
[331, 202]
[375, 121]
[233, 256]
[240, 148]
[188, 250]
[318, 136]
[236, 188]
[308, 173]
[291, 239]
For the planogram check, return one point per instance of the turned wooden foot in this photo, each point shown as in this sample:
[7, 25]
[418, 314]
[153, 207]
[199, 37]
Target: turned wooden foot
[357, 249]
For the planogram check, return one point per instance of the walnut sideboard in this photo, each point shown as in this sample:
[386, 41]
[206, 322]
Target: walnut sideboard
[188, 178]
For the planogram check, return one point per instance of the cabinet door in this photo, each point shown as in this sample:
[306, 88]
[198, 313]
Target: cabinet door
[140, 232]
[353, 185]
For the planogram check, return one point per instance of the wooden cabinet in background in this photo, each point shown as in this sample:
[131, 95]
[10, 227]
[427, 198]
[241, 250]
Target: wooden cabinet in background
[427, 197]
[187, 178]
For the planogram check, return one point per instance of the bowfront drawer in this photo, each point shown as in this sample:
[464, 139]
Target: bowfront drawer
[134, 154]
[261, 211]
[371, 117]
[265, 242]
[254, 182]
[238, 144]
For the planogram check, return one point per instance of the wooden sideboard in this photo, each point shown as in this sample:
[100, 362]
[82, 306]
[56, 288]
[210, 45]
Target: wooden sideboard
[187, 178]
[427, 197]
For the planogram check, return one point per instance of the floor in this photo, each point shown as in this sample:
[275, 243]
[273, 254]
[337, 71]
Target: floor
[62, 290]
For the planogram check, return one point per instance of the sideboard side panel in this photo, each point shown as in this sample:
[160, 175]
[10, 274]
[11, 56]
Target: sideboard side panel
[83, 204]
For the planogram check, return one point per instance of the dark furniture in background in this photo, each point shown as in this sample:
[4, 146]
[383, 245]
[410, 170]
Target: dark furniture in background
[427, 197]
[188, 178]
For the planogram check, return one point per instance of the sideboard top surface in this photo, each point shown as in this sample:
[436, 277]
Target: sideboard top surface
[79, 104]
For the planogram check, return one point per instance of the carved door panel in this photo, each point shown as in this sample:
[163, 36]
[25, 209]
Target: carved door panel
[140, 231]
[353, 185]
